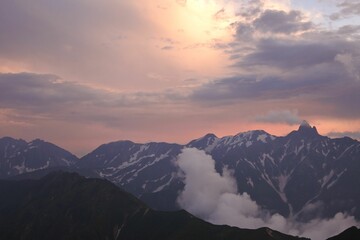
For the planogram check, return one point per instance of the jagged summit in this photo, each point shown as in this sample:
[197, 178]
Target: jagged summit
[305, 129]
[305, 124]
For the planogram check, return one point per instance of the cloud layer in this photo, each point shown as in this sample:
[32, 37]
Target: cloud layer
[120, 66]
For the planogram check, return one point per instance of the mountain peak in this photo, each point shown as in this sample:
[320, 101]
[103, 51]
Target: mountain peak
[203, 142]
[304, 124]
[210, 135]
[305, 129]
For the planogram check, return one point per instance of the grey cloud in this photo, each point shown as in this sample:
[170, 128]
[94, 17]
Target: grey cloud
[280, 116]
[315, 68]
[276, 21]
[42, 91]
[351, 62]
[329, 86]
[244, 31]
[354, 135]
[45, 95]
[347, 8]
[342, 100]
[306, 50]
[167, 48]
[270, 22]
[69, 37]
[249, 88]
[220, 14]
[349, 29]
[290, 54]
[251, 8]
[234, 88]
[27, 29]
[254, 87]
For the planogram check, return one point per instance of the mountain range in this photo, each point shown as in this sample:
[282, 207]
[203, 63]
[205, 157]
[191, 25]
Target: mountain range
[68, 206]
[303, 175]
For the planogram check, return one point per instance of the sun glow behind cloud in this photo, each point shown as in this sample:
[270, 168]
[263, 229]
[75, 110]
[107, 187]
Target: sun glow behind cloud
[188, 31]
[202, 19]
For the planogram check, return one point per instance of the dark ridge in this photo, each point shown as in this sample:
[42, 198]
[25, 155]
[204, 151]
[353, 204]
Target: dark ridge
[351, 233]
[65, 205]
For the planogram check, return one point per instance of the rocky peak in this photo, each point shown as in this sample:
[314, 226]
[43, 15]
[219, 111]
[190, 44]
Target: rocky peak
[305, 131]
[304, 124]
[305, 128]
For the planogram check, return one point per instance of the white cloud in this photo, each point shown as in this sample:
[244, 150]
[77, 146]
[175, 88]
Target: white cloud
[214, 197]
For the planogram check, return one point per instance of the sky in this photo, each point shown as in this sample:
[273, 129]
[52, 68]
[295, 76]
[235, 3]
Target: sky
[80, 73]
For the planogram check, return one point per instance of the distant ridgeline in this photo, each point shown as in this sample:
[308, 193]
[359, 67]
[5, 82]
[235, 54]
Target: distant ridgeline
[286, 175]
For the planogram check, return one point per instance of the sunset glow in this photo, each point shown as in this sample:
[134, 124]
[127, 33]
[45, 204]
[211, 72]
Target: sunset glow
[81, 73]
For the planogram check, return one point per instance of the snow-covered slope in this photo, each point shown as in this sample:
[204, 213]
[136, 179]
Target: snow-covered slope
[302, 174]
[138, 168]
[19, 156]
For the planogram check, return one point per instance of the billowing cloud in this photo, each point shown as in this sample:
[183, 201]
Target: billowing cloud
[276, 21]
[307, 66]
[214, 197]
[204, 184]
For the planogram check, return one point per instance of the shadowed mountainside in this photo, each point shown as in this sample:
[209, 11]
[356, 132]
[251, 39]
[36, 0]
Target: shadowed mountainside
[67, 206]
[349, 234]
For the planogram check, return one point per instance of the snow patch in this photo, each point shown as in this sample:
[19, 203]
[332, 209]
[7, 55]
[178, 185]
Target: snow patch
[262, 138]
[283, 180]
[211, 146]
[67, 162]
[160, 188]
[23, 169]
